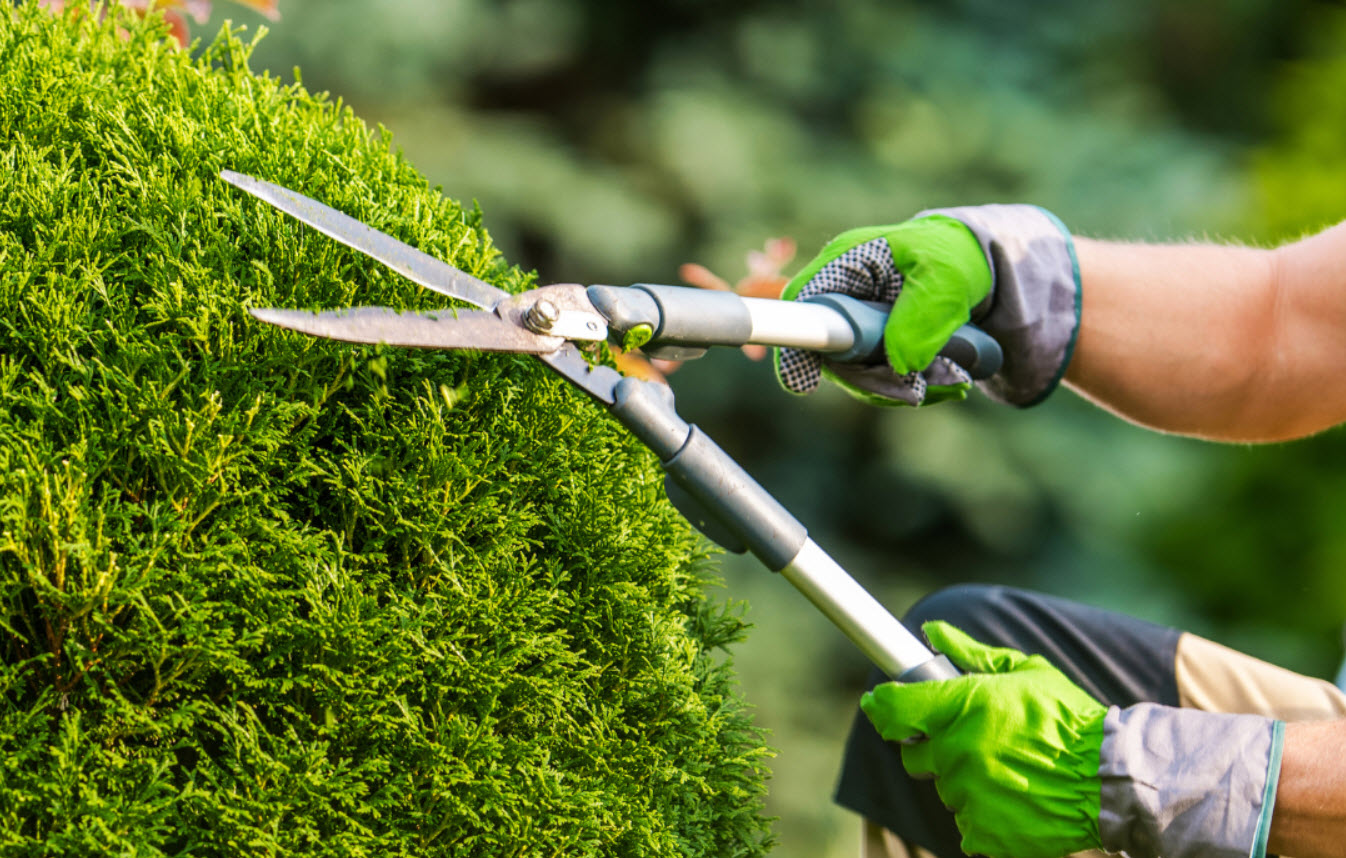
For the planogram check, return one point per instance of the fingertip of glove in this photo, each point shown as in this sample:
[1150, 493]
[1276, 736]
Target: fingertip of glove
[937, 631]
[885, 713]
[870, 700]
[879, 698]
[951, 641]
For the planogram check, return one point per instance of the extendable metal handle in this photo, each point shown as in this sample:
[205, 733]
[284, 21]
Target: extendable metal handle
[851, 608]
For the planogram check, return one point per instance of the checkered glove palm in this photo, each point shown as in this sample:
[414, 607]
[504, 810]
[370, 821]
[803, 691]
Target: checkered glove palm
[933, 271]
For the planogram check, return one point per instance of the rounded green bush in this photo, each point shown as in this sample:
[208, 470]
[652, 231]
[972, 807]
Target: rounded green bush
[264, 594]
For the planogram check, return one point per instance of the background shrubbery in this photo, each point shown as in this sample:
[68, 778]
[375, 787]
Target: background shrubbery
[264, 594]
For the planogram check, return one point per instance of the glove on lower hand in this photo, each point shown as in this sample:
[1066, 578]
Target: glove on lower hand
[1033, 767]
[1009, 269]
[1013, 746]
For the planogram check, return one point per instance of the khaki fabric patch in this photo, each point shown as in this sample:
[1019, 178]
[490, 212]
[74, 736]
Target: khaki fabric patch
[1216, 678]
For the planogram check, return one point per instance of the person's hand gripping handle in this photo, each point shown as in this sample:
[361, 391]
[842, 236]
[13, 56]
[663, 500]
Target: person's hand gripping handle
[1008, 270]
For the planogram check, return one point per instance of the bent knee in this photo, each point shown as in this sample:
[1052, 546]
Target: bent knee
[993, 614]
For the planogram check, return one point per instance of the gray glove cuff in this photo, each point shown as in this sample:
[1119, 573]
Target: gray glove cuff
[1033, 310]
[1183, 783]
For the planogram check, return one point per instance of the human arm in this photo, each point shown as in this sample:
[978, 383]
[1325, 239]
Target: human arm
[1309, 820]
[1228, 343]
[1222, 342]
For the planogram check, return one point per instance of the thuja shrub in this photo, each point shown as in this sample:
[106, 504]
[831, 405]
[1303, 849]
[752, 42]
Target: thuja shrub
[263, 594]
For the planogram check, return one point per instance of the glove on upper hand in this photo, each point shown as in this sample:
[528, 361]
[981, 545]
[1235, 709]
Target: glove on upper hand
[1013, 746]
[932, 271]
[1009, 269]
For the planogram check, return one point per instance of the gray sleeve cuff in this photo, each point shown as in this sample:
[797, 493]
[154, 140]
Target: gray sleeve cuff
[1182, 783]
[1033, 310]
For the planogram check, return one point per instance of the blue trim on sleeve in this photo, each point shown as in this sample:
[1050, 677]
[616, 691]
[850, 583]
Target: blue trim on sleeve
[1079, 298]
[1263, 831]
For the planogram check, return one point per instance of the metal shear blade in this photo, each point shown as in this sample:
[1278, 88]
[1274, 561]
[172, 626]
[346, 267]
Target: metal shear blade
[415, 265]
[442, 329]
[505, 329]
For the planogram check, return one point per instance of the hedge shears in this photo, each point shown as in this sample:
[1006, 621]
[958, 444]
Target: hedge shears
[703, 482]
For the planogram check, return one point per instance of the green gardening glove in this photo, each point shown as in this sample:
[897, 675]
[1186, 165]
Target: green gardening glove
[933, 271]
[1013, 746]
[1009, 269]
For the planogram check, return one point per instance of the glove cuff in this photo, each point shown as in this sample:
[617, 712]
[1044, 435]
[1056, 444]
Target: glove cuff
[1033, 309]
[1183, 783]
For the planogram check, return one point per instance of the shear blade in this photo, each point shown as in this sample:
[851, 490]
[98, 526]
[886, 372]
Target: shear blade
[417, 266]
[442, 329]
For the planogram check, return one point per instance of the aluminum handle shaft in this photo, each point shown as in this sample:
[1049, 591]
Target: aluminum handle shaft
[851, 608]
[799, 325]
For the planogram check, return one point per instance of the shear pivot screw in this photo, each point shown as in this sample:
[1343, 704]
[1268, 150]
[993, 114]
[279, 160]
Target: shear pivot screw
[541, 316]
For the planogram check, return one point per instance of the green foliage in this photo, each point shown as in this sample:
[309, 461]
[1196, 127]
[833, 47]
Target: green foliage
[265, 594]
[1301, 175]
[1263, 550]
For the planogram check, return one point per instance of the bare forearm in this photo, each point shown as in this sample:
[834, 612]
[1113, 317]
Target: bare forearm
[1230, 343]
[1309, 820]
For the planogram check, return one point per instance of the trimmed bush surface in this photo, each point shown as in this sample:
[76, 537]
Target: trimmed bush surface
[262, 594]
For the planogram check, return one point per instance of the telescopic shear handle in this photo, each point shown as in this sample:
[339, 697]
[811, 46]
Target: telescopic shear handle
[724, 502]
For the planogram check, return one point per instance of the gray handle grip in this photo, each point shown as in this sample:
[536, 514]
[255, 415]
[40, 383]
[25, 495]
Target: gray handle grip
[725, 503]
[713, 491]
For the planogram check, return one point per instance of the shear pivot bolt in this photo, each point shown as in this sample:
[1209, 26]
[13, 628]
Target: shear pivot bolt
[541, 316]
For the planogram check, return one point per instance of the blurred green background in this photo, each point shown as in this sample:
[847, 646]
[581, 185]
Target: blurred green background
[610, 141]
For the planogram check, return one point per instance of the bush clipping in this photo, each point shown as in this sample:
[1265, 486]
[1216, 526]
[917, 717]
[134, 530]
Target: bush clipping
[265, 594]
